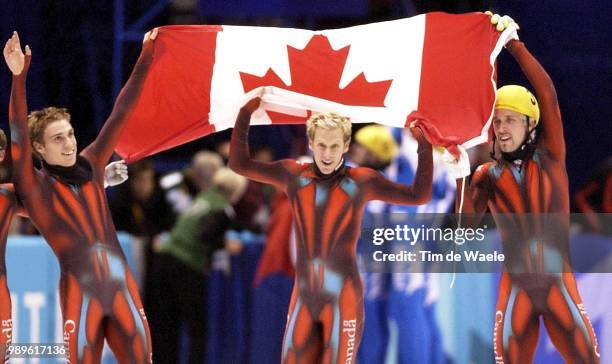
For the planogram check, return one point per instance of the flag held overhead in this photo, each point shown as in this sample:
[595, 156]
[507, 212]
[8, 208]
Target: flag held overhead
[442, 65]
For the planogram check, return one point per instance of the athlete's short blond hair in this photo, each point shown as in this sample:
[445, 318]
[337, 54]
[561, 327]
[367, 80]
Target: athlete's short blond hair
[329, 120]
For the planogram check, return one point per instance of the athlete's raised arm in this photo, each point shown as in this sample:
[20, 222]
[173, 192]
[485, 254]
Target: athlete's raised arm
[101, 149]
[21, 148]
[275, 173]
[380, 188]
[551, 135]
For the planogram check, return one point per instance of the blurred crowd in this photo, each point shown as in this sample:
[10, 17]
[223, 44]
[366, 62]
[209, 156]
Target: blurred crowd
[180, 220]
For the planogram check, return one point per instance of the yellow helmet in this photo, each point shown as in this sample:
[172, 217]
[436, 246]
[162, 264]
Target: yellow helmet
[379, 141]
[519, 99]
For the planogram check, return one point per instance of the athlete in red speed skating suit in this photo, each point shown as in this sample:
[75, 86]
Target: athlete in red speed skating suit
[527, 192]
[327, 198]
[66, 202]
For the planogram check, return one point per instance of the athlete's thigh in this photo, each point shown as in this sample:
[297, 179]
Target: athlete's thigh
[82, 314]
[302, 342]
[127, 331]
[517, 324]
[342, 323]
[568, 325]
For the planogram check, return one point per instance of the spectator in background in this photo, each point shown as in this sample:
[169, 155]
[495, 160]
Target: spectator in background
[182, 186]
[139, 208]
[183, 264]
[254, 208]
[223, 150]
[373, 147]
[596, 197]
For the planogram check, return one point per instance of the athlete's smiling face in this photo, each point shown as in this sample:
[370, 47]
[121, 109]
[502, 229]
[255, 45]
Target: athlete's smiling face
[328, 146]
[510, 129]
[59, 146]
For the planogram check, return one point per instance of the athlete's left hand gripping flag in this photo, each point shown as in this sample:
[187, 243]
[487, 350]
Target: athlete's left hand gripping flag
[439, 64]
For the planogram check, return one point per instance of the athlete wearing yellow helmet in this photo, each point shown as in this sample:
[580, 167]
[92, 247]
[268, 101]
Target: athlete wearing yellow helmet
[519, 99]
[374, 147]
[516, 116]
[527, 194]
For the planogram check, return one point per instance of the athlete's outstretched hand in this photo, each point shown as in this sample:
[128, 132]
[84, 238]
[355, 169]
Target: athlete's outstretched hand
[115, 173]
[457, 168]
[504, 22]
[150, 35]
[252, 105]
[13, 55]
[418, 134]
[148, 41]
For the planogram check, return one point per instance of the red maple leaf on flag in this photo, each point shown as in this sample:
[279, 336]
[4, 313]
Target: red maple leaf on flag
[316, 71]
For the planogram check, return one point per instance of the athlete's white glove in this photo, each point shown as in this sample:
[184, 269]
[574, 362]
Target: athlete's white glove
[504, 22]
[115, 173]
[457, 168]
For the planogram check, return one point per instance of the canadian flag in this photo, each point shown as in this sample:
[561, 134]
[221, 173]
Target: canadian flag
[441, 65]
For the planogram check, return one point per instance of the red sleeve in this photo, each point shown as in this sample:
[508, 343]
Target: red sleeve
[380, 188]
[551, 137]
[21, 147]
[100, 151]
[476, 194]
[275, 173]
